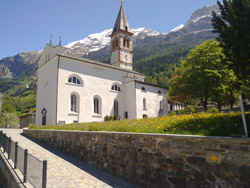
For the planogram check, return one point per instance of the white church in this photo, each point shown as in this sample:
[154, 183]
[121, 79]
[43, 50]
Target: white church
[72, 89]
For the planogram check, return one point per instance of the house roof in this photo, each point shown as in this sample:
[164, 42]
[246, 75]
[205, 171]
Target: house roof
[100, 64]
[121, 21]
[154, 85]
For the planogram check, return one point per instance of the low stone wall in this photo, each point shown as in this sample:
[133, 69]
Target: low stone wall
[27, 119]
[150, 160]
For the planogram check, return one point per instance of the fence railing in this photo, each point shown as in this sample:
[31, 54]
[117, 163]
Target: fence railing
[33, 169]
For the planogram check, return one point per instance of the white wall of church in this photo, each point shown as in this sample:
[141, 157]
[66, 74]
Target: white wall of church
[130, 98]
[97, 81]
[115, 57]
[46, 92]
[152, 101]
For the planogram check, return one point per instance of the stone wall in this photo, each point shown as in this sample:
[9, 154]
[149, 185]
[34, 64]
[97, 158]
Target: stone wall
[27, 119]
[150, 160]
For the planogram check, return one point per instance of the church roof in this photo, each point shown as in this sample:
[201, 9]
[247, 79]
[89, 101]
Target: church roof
[121, 22]
[100, 64]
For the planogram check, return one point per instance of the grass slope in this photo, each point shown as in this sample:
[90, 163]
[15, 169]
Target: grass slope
[219, 124]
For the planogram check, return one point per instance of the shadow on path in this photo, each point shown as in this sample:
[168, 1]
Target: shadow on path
[101, 175]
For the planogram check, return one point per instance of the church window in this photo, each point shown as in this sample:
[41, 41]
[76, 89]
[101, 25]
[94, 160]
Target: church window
[127, 43]
[144, 104]
[115, 88]
[116, 43]
[74, 80]
[73, 103]
[143, 89]
[97, 105]
[144, 116]
[126, 28]
[159, 92]
[116, 108]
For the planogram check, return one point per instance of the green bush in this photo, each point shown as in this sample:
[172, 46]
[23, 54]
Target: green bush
[212, 110]
[9, 120]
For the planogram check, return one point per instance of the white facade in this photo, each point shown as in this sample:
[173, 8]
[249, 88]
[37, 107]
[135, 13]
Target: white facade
[71, 89]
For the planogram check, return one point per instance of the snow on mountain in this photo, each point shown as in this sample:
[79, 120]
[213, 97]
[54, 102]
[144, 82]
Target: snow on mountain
[97, 41]
[177, 28]
[202, 17]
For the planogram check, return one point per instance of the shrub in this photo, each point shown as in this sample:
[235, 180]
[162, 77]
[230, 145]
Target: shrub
[108, 118]
[9, 120]
[212, 110]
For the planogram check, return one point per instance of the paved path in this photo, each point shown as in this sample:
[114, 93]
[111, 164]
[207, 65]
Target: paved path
[64, 171]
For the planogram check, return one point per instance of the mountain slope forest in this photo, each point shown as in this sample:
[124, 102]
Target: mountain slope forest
[155, 55]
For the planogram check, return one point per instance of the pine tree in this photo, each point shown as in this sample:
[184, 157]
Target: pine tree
[233, 27]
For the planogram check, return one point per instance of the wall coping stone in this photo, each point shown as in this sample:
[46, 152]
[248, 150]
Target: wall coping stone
[147, 134]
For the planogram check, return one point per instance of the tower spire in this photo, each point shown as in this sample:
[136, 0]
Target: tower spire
[121, 21]
[121, 47]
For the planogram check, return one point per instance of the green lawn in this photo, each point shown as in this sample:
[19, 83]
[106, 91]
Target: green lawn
[217, 124]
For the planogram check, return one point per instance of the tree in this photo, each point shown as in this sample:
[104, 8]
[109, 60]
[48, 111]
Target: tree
[7, 106]
[9, 120]
[202, 74]
[233, 26]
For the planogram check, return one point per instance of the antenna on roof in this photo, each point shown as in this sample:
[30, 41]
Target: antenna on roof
[50, 42]
[60, 40]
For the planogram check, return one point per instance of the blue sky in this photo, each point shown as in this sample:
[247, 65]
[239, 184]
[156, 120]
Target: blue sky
[26, 25]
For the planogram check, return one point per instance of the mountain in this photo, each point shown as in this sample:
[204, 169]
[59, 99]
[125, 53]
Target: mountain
[146, 43]
[16, 65]
[98, 41]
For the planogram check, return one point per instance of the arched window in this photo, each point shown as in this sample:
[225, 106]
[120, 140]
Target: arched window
[73, 103]
[115, 88]
[159, 92]
[126, 43]
[116, 43]
[116, 108]
[126, 28]
[144, 116]
[97, 105]
[74, 80]
[144, 104]
[143, 89]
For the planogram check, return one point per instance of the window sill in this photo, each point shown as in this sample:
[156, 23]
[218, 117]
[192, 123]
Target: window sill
[74, 84]
[73, 114]
[97, 115]
[114, 91]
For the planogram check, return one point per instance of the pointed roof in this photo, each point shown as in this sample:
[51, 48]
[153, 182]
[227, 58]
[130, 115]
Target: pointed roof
[121, 21]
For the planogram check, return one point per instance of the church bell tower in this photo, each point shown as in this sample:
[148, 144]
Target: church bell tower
[121, 47]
